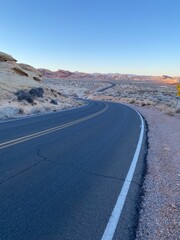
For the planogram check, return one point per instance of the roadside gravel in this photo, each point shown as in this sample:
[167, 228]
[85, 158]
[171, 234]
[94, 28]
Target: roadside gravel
[159, 215]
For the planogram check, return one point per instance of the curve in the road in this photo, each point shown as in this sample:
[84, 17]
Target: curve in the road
[108, 87]
[50, 130]
[65, 185]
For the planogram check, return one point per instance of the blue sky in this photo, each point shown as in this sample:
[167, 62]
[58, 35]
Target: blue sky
[125, 36]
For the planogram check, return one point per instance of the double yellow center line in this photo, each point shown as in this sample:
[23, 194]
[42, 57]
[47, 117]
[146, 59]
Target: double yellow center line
[50, 130]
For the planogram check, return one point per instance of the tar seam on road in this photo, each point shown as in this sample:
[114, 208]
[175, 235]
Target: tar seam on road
[116, 213]
[50, 130]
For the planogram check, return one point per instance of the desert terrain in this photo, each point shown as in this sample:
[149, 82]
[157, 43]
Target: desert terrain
[25, 90]
[156, 100]
[22, 91]
[59, 89]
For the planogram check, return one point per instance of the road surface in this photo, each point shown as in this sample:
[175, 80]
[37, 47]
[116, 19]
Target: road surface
[108, 87]
[62, 173]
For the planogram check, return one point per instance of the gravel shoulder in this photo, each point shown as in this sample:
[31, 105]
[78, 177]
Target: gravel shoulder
[160, 207]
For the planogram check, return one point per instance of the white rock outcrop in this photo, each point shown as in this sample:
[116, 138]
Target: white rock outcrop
[16, 77]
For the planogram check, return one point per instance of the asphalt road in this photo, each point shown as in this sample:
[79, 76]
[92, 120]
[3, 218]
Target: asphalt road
[61, 174]
[106, 88]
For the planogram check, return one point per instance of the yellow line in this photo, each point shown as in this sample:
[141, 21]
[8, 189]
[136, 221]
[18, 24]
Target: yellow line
[50, 130]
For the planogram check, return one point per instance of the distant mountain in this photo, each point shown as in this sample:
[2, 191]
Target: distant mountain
[65, 74]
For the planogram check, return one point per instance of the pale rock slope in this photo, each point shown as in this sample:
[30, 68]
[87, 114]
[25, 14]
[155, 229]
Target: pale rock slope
[16, 77]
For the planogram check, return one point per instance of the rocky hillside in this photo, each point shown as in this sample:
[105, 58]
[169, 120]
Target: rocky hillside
[14, 76]
[22, 92]
[9, 64]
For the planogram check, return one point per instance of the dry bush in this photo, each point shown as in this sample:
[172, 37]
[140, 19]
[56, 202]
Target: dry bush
[170, 112]
[143, 104]
[178, 110]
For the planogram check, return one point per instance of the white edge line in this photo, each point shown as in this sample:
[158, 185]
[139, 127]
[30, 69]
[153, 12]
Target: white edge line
[116, 213]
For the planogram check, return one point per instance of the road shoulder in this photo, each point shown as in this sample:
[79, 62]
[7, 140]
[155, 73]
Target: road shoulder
[159, 207]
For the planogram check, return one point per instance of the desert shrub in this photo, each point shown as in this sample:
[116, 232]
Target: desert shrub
[31, 95]
[170, 112]
[178, 110]
[37, 92]
[169, 104]
[23, 95]
[21, 110]
[143, 104]
[53, 101]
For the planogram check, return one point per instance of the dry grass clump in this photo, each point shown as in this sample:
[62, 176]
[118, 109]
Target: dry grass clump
[170, 112]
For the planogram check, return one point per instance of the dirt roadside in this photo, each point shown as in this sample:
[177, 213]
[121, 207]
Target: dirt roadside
[159, 215]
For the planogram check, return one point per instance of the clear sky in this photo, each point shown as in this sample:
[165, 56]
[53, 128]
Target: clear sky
[125, 36]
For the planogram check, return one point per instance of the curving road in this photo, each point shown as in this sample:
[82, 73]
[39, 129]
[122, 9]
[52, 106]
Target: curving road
[108, 87]
[62, 173]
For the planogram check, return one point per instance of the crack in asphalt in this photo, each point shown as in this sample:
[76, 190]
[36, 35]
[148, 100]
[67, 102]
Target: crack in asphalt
[83, 170]
[45, 159]
[22, 171]
[25, 169]
[111, 177]
[40, 155]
